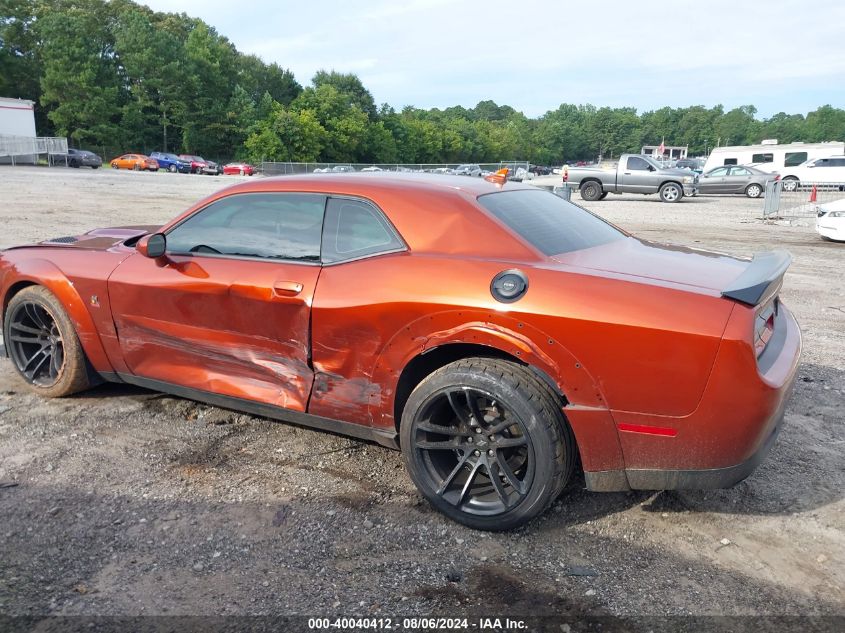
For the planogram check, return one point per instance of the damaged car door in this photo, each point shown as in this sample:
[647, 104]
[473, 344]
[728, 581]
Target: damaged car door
[226, 309]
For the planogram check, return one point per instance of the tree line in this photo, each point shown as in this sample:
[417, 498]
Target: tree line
[117, 74]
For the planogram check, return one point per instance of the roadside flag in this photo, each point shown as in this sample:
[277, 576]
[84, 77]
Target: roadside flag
[661, 148]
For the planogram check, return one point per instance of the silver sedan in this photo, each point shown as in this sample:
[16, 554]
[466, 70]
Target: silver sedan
[735, 179]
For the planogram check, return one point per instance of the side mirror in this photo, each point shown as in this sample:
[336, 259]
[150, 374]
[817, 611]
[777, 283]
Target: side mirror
[651, 168]
[152, 246]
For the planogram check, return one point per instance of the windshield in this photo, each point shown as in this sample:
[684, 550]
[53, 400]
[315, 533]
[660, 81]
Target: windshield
[548, 222]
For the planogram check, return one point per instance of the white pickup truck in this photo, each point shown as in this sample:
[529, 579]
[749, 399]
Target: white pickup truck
[634, 173]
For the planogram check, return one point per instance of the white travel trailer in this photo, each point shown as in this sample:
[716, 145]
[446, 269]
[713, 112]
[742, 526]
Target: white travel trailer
[771, 157]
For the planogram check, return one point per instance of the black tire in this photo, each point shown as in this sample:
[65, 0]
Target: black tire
[754, 190]
[671, 192]
[603, 195]
[95, 166]
[172, 169]
[42, 344]
[136, 167]
[591, 190]
[74, 164]
[115, 166]
[513, 448]
[790, 183]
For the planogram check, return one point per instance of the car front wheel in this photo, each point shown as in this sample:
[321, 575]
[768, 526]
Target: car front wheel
[671, 192]
[486, 442]
[43, 345]
[790, 183]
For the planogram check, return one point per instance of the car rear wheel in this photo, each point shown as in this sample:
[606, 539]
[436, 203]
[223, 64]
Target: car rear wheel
[136, 167]
[172, 169]
[43, 345]
[115, 166]
[591, 191]
[753, 190]
[671, 192]
[486, 442]
[74, 164]
[790, 183]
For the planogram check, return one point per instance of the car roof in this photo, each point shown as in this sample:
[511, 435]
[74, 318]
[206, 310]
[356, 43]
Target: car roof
[360, 183]
[433, 213]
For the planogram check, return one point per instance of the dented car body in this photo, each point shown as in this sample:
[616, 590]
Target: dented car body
[339, 301]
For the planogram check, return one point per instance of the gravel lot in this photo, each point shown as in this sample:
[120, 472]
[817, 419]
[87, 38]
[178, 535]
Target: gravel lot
[124, 502]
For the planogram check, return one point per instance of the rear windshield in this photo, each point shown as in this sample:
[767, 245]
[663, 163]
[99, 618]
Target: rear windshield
[548, 222]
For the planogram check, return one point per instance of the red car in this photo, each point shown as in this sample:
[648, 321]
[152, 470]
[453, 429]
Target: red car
[198, 163]
[493, 331]
[238, 169]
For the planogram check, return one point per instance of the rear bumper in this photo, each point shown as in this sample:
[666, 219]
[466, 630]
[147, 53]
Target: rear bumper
[707, 479]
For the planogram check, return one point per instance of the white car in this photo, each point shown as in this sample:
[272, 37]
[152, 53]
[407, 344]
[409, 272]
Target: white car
[830, 222]
[372, 168]
[816, 170]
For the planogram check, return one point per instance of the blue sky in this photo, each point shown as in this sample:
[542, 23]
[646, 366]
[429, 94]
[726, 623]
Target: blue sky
[779, 55]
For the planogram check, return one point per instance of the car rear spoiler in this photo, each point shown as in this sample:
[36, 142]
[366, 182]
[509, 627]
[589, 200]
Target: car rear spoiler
[761, 280]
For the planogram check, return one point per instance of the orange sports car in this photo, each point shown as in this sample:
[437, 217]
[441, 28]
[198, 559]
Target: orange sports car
[138, 162]
[495, 332]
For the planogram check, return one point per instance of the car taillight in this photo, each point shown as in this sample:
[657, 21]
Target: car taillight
[764, 325]
[777, 177]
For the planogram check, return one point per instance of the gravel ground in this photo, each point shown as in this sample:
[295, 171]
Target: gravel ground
[124, 502]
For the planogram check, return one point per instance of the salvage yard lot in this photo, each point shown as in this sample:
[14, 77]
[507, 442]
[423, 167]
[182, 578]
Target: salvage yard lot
[125, 502]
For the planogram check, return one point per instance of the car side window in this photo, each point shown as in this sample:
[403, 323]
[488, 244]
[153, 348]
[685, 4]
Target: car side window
[636, 163]
[718, 172]
[837, 162]
[354, 229]
[264, 225]
[729, 161]
[739, 171]
[822, 162]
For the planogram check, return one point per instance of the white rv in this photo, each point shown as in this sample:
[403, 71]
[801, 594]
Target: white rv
[771, 157]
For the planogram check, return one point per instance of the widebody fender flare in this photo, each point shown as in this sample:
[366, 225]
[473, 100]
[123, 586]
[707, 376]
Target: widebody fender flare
[45, 273]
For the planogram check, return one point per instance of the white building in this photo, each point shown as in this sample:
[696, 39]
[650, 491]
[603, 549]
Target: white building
[17, 118]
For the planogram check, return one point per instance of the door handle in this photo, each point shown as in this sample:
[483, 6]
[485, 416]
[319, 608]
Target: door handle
[287, 288]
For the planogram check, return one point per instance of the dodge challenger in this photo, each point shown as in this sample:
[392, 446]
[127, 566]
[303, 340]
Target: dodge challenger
[496, 334]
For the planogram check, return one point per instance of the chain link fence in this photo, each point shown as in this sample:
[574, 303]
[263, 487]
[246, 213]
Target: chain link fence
[799, 201]
[518, 169]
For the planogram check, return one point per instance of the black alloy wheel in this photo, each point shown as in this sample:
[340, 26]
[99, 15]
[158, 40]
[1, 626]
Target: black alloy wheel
[487, 443]
[36, 345]
[474, 450]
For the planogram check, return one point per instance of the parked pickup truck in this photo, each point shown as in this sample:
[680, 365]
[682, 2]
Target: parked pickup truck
[634, 174]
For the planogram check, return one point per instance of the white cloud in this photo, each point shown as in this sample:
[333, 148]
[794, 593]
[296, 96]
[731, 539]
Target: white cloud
[778, 55]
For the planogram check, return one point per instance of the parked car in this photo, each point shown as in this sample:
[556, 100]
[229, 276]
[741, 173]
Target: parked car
[830, 223]
[199, 165]
[467, 170]
[171, 162]
[137, 162]
[211, 168]
[693, 164]
[735, 179]
[830, 170]
[634, 173]
[242, 169]
[372, 168]
[340, 169]
[79, 158]
[653, 367]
